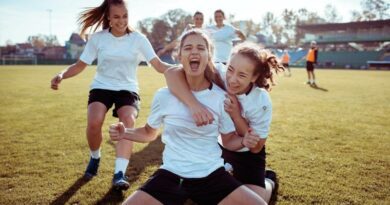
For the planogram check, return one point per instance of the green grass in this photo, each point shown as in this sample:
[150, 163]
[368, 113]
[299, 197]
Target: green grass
[329, 145]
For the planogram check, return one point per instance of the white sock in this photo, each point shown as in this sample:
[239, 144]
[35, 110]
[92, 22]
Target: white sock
[121, 165]
[95, 154]
[272, 183]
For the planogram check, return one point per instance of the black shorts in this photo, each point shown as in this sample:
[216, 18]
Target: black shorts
[285, 65]
[248, 167]
[171, 189]
[109, 97]
[309, 66]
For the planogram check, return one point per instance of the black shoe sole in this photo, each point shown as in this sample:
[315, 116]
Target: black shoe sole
[121, 186]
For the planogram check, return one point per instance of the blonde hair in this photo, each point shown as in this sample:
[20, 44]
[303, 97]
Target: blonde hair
[98, 16]
[210, 74]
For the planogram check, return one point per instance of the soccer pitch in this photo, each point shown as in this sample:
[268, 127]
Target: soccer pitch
[329, 145]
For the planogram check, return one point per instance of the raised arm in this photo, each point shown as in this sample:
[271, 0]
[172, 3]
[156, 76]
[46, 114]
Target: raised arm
[240, 34]
[233, 108]
[71, 71]
[143, 134]
[177, 84]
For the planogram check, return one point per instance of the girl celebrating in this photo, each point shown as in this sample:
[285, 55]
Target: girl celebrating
[246, 79]
[117, 48]
[192, 164]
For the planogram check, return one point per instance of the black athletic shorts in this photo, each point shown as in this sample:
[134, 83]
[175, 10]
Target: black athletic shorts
[309, 66]
[248, 167]
[285, 65]
[119, 98]
[171, 189]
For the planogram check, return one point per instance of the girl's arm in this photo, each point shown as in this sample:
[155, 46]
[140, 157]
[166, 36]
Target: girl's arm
[143, 134]
[177, 84]
[71, 71]
[233, 108]
[159, 65]
[240, 34]
[233, 142]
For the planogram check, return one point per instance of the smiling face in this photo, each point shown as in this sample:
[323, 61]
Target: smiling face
[219, 17]
[194, 55]
[198, 20]
[118, 18]
[240, 74]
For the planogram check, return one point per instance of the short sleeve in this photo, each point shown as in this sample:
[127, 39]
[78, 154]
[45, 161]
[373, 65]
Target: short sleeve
[90, 51]
[262, 122]
[146, 48]
[155, 117]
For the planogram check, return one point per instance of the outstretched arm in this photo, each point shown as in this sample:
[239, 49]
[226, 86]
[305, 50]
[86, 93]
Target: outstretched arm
[240, 34]
[143, 134]
[159, 65]
[177, 84]
[71, 71]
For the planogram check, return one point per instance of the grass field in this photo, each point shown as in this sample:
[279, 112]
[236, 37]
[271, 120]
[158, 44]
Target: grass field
[329, 145]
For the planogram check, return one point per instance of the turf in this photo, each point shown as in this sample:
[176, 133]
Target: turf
[329, 144]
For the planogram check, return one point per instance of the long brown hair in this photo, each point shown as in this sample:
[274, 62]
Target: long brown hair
[210, 74]
[98, 16]
[263, 60]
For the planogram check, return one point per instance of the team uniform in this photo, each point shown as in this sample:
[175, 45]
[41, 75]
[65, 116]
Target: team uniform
[192, 164]
[223, 41]
[311, 59]
[248, 167]
[116, 81]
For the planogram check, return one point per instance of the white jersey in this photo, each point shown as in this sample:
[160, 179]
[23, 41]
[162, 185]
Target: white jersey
[222, 40]
[118, 59]
[190, 151]
[256, 107]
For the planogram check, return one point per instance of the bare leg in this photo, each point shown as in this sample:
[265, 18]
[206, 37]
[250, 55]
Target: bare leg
[96, 115]
[141, 198]
[242, 195]
[127, 115]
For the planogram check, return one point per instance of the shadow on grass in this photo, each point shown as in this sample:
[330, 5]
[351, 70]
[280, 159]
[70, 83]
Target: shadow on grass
[319, 88]
[149, 156]
[71, 191]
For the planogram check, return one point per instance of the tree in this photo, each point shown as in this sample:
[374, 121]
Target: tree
[371, 10]
[331, 14]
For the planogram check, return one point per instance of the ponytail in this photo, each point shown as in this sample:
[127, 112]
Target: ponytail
[98, 16]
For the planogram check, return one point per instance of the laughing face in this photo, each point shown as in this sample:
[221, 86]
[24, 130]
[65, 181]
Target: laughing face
[240, 74]
[118, 18]
[194, 55]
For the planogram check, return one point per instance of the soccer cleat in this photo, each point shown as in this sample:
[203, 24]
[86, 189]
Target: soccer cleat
[119, 182]
[92, 168]
[270, 174]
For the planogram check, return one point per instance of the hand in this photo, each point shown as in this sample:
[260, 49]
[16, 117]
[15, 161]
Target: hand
[56, 81]
[250, 139]
[117, 131]
[232, 106]
[161, 52]
[201, 115]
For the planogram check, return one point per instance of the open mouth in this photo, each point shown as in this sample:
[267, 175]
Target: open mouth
[194, 64]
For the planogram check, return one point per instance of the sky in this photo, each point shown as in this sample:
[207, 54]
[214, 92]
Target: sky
[22, 18]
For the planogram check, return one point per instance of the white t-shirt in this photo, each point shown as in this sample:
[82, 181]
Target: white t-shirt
[190, 151]
[118, 59]
[222, 40]
[256, 107]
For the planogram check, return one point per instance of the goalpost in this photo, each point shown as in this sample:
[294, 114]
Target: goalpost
[19, 60]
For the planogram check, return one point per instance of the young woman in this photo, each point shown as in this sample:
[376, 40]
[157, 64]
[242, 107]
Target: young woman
[250, 107]
[198, 19]
[223, 36]
[192, 164]
[117, 48]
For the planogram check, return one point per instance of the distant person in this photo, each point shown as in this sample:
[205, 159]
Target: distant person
[117, 48]
[286, 61]
[192, 165]
[311, 60]
[198, 20]
[222, 36]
